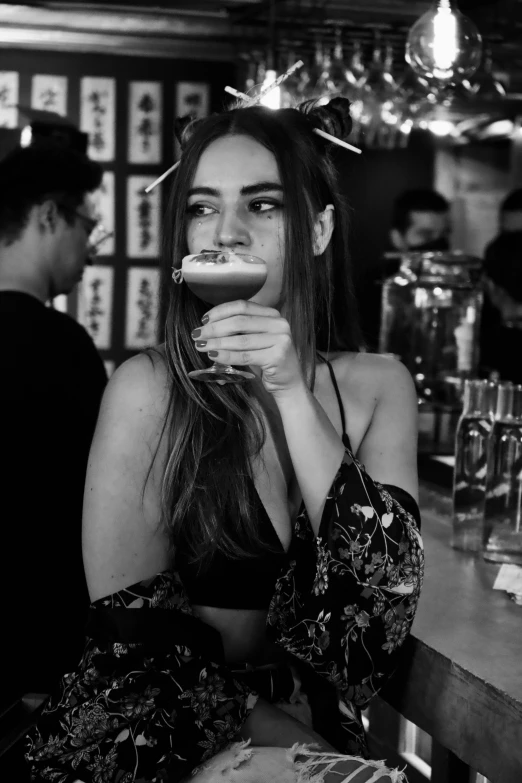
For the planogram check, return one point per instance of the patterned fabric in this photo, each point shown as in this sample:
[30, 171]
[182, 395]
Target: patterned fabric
[151, 700]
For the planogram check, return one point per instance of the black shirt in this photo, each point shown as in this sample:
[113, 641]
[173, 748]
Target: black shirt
[51, 382]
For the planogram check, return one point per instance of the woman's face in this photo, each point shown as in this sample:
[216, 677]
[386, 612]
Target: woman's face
[236, 203]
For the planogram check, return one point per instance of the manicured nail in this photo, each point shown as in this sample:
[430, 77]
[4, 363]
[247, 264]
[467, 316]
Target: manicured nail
[212, 354]
[204, 320]
[201, 344]
[196, 333]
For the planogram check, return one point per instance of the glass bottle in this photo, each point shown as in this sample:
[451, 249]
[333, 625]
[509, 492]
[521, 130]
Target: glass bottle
[503, 509]
[471, 464]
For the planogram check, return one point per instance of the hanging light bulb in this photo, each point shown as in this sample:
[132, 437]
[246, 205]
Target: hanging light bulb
[271, 100]
[444, 44]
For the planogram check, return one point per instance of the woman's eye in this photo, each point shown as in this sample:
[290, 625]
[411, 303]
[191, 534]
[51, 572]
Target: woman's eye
[199, 210]
[261, 205]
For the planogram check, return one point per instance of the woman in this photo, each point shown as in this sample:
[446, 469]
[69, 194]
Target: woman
[270, 601]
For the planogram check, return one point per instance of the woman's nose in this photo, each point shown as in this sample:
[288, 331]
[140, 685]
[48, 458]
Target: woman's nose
[231, 230]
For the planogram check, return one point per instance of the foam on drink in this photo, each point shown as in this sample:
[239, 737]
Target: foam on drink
[216, 276]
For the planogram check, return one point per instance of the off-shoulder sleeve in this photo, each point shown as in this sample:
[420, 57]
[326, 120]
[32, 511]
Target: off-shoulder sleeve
[150, 700]
[348, 599]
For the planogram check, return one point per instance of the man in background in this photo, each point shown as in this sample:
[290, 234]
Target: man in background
[51, 383]
[420, 222]
[501, 325]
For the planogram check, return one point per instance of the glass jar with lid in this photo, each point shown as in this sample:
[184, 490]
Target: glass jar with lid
[431, 312]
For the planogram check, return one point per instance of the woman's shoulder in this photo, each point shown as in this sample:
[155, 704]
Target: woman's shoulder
[141, 383]
[372, 375]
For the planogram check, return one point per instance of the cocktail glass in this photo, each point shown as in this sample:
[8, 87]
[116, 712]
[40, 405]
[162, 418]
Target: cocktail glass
[215, 277]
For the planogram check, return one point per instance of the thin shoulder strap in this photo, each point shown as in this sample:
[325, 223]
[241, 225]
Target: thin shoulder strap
[346, 439]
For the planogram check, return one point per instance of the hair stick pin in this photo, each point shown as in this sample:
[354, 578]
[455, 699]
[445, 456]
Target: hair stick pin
[334, 140]
[276, 83]
[243, 96]
[162, 177]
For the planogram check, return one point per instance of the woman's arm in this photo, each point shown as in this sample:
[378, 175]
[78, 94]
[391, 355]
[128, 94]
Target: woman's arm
[388, 449]
[122, 543]
[349, 616]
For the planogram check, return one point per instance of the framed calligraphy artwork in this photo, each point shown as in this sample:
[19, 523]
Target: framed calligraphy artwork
[9, 86]
[142, 307]
[143, 218]
[192, 98]
[98, 116]
[95, 304]
[145, 122]
[103, 201]
[49, 93]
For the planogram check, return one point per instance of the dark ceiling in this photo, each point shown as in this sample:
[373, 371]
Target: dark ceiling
[245, 23]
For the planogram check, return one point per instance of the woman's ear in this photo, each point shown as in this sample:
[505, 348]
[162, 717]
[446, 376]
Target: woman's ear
[323, 229]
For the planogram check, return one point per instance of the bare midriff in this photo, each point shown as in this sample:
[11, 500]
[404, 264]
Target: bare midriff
[242, 632]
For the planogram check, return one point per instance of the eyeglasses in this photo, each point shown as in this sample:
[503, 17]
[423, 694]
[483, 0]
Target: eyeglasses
[89, 223]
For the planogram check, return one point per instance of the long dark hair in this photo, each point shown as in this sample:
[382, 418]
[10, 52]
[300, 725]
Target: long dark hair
[215, 431]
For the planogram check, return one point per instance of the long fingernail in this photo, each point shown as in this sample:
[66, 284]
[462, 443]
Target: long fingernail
[204, 320]
[201, 344]
[195, 333]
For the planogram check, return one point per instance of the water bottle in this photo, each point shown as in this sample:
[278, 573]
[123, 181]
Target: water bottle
[471, 464]
[503, 508]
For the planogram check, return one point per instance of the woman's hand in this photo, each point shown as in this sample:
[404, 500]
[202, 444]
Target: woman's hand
[245, 333]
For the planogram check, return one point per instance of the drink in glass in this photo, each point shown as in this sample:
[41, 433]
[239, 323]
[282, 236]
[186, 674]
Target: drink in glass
[216, 277]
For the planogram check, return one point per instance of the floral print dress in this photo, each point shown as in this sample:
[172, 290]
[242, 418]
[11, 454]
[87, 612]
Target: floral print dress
[152, 697]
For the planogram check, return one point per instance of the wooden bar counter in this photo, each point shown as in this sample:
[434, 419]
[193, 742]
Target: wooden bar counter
[461, 676]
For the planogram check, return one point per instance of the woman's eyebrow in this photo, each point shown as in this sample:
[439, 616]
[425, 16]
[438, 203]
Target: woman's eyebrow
[247, 190]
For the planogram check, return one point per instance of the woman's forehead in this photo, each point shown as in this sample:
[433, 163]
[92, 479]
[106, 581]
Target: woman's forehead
[238, 160]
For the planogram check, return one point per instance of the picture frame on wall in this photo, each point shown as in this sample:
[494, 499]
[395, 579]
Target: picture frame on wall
[98, 116]
[95, 304]
[143, 218]
[9, 90]
[49, 93]
[145, 122]
[192, 98]
[103, 202]
[141, 326]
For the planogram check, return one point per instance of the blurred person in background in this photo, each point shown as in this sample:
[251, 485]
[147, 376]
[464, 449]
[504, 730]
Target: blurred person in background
[52, 382]
[420, 222]
[501, 325]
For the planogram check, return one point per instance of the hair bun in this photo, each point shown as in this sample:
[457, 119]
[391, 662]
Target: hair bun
[334, 117]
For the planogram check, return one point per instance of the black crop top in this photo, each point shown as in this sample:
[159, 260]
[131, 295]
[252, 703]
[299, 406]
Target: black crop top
[238, 584]
[250, 583]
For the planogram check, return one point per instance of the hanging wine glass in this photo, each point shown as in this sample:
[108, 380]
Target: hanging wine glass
[392, 109]
[355, 78]
[290, 92]
[315, 88]
[378, 91]
[324, 88]
[341, 79]
[356, 64]
[417, 98]
[304, 78]
[484, 85]
[251, 80]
